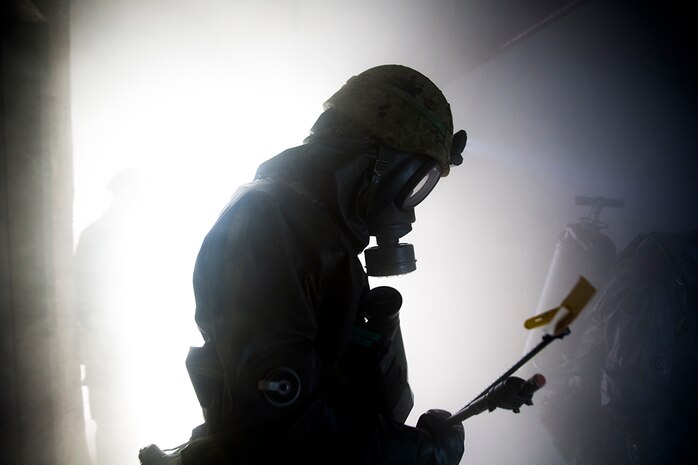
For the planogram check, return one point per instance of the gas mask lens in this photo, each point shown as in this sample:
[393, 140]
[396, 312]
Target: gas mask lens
[421, 184]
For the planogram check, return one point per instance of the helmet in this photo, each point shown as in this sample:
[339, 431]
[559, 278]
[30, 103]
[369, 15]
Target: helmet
[402, 109]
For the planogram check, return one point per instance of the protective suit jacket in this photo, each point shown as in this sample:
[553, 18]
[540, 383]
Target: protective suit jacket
[278, 285]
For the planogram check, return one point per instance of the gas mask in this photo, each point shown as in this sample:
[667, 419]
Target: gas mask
[400, 182]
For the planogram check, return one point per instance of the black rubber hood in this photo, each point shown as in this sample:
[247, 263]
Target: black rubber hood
[333, 173]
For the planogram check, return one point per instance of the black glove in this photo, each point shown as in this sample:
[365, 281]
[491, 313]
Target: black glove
[448, 440]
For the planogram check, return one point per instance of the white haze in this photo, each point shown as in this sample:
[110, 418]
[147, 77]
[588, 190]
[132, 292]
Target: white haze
[197, 93]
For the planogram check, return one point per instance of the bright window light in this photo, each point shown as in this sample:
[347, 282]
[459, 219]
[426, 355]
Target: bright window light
[192, 107]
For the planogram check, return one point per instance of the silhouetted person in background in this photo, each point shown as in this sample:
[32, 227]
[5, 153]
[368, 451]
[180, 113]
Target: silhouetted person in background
[112, 285]
[627, 394]
[302, 362]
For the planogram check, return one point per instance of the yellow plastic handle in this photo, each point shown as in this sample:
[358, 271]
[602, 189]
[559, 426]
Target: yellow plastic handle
[541, 320]
[574, 303]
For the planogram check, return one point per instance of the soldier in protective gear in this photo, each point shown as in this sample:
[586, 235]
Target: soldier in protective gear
[302, 362]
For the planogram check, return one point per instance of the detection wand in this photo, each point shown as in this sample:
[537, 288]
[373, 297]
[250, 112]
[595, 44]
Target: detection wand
[510, 392]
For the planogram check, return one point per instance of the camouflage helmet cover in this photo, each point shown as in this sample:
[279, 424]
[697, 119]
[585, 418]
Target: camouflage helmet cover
[401, 108]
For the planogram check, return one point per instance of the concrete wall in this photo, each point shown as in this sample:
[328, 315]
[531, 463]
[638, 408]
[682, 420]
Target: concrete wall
[40, 420]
